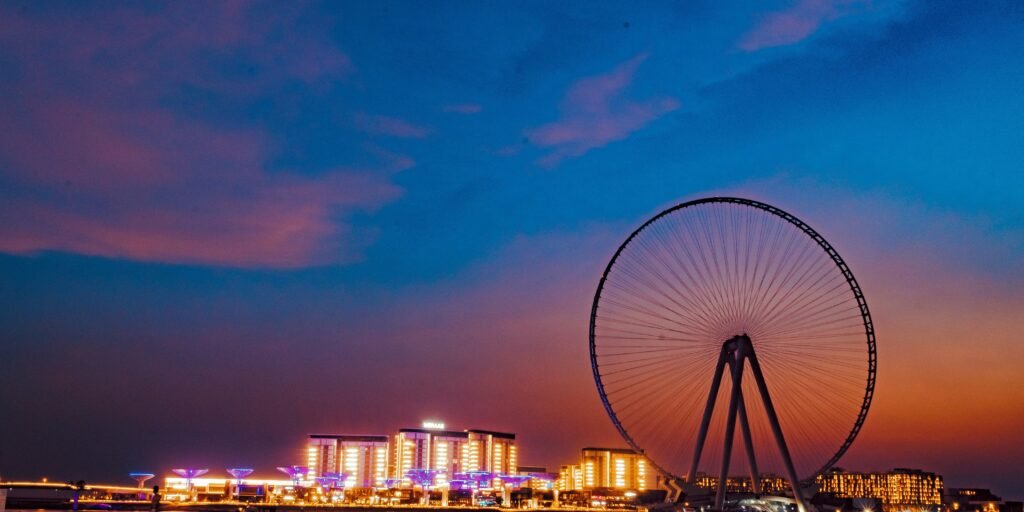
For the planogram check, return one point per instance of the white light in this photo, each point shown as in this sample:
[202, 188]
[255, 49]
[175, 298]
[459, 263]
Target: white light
[433, 425]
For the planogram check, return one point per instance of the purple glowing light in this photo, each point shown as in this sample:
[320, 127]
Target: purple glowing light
[424, 477]
[296, 473]
[331, 480]
[190, 473]
[514, 480]
[479, 478]
[239, 474]
[544, 477]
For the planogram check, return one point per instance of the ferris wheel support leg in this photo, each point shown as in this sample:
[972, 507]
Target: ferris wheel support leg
[780, 440]
[748, 443]
[736, 367]
[702, 434]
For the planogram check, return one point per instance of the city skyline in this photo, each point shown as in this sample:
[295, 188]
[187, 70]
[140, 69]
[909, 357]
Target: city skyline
[223, 230]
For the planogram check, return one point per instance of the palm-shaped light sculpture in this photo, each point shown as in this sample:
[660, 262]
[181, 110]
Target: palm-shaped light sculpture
[239, 474]
[189, 474]
[478, 479]
[141, 478]
[511, 482]
[423, 478]
[296, 473]
[328, 481]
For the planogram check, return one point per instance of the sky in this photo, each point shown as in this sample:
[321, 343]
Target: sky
[224, 229]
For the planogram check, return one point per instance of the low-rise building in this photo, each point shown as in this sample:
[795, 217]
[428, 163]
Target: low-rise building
[898, 489]
[964, 499]
[609, 468]
[770, 483]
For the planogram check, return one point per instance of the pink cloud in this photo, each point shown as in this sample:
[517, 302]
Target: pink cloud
[390, 126]
[795, 24]
[92, 163]
[100, 148]
[150, 186]
[276, 222]
[596, 112]
[464, 108]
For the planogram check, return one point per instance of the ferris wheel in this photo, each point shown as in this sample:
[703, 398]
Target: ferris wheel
[734, 290]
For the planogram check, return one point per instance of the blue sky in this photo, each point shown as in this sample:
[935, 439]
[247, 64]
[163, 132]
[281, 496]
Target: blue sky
[327, 192]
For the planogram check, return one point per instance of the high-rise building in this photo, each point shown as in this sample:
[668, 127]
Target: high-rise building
[362, 459]
[895, 489]
[428, 448]
[491, 451]
[449, 452]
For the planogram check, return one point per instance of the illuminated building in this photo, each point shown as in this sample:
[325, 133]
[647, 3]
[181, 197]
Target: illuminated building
[539, 477]
[217, 489]
[977, 500]
[570, 478]
[770, 484]
[897, 489]
[613, 468]
[491, 451]
[448, 452]
[363, 459]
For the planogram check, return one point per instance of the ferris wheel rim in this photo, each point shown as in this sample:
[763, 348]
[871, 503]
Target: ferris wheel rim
[823, 244]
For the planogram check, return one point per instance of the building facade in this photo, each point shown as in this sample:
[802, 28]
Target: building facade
[896, 489]
[612, 468]
[448, 452]
[570, 478]
[362, 460]
[963, 499]
[491, 451]
[770, 483]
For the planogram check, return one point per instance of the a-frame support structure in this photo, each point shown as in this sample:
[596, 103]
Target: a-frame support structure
[736, 352]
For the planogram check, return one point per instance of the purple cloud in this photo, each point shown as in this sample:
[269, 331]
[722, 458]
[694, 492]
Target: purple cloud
[796, 23]
[595, 112]
[389, 126]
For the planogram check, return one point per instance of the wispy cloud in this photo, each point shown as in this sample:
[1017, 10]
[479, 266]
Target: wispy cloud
[95, 163]
[150, 186]
[464, 108]
[795, 24]
[595, 112]
[230, 47]
[389, 126]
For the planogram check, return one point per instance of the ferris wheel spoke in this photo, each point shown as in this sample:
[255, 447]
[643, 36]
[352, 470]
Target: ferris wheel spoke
[686, 313]
[624, 319]
[657, 254]
[636, 399]
[782, 287]
[817, 301]
[772, 285]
